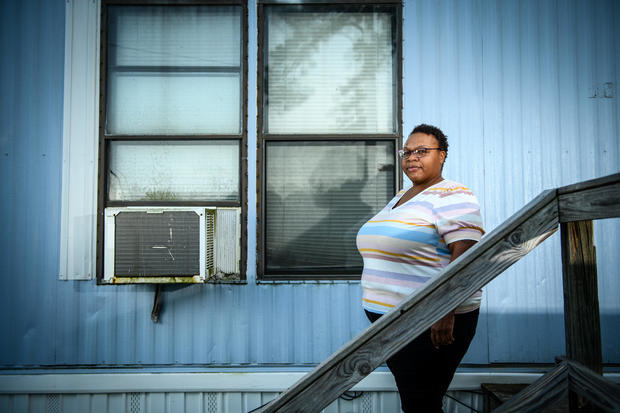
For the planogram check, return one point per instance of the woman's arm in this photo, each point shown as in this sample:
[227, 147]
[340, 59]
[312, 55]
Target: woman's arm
[441, 331]
[457, 248]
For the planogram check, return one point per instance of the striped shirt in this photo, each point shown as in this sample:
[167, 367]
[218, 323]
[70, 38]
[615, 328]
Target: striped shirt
[405, 247]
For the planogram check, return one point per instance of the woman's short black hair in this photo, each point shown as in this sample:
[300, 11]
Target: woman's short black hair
[436, 132]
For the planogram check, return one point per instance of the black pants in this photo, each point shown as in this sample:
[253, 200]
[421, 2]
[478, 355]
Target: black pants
[422, 372]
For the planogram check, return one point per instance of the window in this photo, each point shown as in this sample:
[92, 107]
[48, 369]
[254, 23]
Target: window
[329, 129]
[172, 134]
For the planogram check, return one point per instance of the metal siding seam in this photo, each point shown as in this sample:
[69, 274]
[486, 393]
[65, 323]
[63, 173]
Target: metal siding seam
[99, 403]
[606, 239]
[299, 320]
[7, 170]
[37, 403]
[520, 130]
[175, 402]
[550, 150]
[491, 39]
[231, 402]
[606, 232]
[251, 401]
[200, 320]
[239, 341]
[323, 307]
[23, 146]
[156, 402]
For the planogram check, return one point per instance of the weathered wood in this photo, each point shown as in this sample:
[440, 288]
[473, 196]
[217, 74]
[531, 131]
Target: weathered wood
[545, 391]
[593, 387]
[595, 203]
[594, 199]
[590, 184]
[581, 308]
[569, 375]
[478, 266]
[496, 394]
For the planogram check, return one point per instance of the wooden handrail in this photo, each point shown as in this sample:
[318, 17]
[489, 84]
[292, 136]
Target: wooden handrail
[554, 386]
[594, 199]
[497, 251]
[544, 392]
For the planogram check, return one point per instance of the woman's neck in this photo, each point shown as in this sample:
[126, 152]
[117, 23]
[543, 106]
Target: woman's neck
[419, 187]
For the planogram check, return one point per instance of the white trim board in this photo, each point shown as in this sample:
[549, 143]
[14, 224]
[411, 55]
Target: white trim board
[80, 141]
[221, 382]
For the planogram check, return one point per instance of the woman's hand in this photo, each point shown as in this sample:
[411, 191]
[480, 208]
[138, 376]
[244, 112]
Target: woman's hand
[441, 331]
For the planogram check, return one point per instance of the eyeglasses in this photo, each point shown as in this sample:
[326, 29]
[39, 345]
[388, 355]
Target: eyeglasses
[416, 153]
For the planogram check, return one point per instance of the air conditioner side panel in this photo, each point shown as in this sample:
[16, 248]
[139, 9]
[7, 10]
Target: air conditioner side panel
[227, 244]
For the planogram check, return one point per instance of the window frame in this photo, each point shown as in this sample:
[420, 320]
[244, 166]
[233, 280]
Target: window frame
[262, 137]
[103, 139]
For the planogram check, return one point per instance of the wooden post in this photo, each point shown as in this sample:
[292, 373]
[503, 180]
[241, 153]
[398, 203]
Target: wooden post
[581, 309]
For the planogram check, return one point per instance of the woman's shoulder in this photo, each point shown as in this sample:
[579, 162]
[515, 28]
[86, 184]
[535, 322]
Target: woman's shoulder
[450, 187]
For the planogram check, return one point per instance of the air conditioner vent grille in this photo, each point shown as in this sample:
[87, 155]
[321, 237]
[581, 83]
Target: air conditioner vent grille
[157, 244]
[210, 240]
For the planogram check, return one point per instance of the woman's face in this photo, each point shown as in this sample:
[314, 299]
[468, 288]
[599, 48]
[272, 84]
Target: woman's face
[425, 169]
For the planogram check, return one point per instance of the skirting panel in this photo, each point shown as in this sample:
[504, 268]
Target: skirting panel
[200, 402]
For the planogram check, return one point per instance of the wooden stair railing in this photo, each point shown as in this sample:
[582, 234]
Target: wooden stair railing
[568, 377]
[498, 250]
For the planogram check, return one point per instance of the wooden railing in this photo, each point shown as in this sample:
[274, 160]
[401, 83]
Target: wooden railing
[568, 207]
[567, 379]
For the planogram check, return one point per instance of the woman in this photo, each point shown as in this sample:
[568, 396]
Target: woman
[418, 233]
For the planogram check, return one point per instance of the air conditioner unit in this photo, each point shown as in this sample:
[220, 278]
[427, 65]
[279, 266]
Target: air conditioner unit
[171, 244]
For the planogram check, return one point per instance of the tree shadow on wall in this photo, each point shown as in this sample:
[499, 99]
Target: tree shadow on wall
[290, 62]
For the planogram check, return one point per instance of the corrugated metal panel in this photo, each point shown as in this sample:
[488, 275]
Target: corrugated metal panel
[31, 73]
[543, 129]
[366, 402]
[212, 324]
[509, 82]
[442, 82]
[512, 84]
[78, 323]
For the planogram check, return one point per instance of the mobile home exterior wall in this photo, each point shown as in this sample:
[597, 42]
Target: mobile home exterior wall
[526, 92]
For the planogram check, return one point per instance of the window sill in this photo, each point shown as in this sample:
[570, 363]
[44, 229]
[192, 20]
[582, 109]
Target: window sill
[314, 282]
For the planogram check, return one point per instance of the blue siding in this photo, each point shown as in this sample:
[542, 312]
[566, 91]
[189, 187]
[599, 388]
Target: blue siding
[31, 80]
[510, 82]
[542, 129]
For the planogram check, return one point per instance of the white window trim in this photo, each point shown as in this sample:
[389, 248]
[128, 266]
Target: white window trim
[80, 141]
